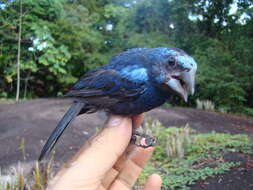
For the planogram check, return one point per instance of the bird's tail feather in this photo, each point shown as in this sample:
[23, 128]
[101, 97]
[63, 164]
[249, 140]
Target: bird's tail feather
[73, 111]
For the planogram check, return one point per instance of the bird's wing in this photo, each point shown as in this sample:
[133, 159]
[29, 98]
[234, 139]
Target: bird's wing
[107, 83]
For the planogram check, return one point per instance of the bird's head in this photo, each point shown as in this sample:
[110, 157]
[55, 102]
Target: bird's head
[177, 71]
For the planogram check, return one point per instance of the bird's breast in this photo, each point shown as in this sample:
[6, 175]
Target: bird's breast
[149, 99]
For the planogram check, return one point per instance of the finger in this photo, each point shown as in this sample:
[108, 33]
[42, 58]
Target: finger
[113, 172]
[119, 165]
[132, 169]
[96, 157]
[138, 120]
[154, 182]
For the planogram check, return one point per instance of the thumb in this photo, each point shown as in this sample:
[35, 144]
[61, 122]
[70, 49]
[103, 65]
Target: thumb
[96, 157]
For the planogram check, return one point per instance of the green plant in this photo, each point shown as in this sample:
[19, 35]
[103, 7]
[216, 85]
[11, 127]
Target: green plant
[182, 178]
[22, 148]
[205, 105]
[248, 111]
[183, 156]
[202, 158]
[37, 180]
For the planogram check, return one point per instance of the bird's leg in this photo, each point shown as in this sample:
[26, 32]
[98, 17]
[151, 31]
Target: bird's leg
[141, 139]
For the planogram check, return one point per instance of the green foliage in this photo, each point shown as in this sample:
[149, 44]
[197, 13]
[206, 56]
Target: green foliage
[182, 178]
[222, 85]
[248, 111]
[63, 39]
[202, 158]
[60, 42]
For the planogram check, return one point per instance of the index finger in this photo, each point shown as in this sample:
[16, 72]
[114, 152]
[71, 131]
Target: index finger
[121, 162]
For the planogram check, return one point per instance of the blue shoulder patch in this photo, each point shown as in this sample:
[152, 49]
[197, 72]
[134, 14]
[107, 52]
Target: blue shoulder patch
[134, 73]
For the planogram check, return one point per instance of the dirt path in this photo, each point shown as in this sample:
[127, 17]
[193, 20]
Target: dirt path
[34, 120]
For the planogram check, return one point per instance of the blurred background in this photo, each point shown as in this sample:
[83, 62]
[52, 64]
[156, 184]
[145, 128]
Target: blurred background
[46, 45]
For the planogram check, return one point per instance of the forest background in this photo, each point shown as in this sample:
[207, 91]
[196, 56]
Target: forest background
[46, 45]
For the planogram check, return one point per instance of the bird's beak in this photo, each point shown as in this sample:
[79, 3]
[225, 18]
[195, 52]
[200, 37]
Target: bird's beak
[183, 83]
[189, 79]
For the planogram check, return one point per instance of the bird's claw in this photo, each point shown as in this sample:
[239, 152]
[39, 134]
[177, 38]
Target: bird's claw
[143, 140]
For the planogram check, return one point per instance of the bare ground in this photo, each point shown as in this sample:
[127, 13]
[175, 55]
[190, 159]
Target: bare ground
[34, 120]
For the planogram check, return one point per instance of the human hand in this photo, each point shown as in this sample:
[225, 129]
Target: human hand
[107, 161]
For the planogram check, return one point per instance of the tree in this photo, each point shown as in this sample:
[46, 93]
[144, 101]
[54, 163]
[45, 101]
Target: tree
[63, 39]
[19, 48]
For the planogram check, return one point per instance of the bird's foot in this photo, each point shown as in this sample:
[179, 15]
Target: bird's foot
[142, 140]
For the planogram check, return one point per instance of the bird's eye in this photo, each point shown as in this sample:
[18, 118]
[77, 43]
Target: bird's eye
[171, 61]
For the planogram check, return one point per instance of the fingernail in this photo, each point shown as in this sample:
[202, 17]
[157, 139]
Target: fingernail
[114, 120]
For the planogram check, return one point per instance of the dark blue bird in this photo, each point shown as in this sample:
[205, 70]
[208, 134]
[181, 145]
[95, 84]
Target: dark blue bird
[133, 82]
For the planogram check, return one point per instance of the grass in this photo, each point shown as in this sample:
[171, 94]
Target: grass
[6, 101]
[36, 180]
[182, 157]
[205, 105]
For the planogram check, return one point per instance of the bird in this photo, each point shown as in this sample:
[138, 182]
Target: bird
[133, 82]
